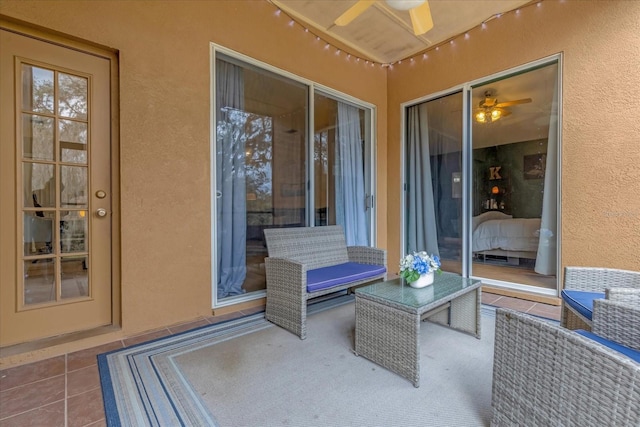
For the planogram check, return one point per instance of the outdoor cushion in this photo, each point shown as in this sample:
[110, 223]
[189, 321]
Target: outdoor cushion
[327, 277]
[581, 301]
[629, 352]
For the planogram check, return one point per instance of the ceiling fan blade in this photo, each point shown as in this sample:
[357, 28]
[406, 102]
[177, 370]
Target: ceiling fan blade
[353, 12]
[516, 102]
[421, 18]
[504, 113]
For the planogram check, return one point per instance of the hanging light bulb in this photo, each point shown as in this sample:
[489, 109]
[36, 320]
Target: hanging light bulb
[495, 115]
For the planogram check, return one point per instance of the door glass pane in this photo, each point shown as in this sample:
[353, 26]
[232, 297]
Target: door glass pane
[72, 101]
[260, 171]
[73, 187]
[39, 281]
[340, 193]
[37, 89]
[73, 141]
[39, 185]
[39, 236]
[37, 137]
[73, 231]
[75, 282]
[434, 180]
[514, 183]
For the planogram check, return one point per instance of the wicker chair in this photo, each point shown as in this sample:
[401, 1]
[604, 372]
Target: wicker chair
[546, 375]
[624, 286]
[617, 321]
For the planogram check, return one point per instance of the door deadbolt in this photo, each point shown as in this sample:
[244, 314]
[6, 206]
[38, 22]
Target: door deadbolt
[101, 194]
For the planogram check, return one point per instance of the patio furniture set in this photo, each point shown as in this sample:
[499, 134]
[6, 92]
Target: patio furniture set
[584, 371]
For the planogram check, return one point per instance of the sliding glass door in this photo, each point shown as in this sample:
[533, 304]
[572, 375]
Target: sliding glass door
[270, 170]
[482, 178]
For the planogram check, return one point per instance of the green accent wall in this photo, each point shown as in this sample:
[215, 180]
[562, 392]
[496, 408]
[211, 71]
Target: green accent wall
[520, 191]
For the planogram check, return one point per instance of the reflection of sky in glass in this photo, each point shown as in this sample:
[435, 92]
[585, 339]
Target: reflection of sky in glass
[40, 74]
[72, 96]
[40, 83]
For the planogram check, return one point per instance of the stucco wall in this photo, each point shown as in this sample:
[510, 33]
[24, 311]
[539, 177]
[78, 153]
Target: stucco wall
[165, 128]
[600, 41]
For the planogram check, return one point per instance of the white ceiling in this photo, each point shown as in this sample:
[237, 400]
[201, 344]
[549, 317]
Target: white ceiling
[385, 35]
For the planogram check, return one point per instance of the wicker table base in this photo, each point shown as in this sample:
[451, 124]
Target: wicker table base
[388, 318]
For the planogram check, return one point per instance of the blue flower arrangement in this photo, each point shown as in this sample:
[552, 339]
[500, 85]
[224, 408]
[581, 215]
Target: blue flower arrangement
[412, 266]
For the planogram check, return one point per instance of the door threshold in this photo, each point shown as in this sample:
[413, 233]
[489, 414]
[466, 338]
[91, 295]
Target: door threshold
[48, 344]
[528, 296]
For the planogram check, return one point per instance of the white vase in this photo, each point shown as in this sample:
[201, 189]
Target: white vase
[423, 280]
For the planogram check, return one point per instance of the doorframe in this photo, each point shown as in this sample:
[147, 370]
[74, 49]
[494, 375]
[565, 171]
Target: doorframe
[90, 48]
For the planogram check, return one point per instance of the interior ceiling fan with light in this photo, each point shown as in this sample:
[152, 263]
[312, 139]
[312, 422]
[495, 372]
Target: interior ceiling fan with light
[490, 110]
[418, 10]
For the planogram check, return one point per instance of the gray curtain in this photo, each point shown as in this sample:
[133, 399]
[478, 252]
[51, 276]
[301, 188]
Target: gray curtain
[546, 259]
[230, 179]
[421, 220]
[349, 177]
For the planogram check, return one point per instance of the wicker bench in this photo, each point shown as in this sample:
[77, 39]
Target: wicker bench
[308, 262]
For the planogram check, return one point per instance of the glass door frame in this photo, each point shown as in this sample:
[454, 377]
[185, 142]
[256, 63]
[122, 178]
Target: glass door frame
[369, 158]
[467, 147]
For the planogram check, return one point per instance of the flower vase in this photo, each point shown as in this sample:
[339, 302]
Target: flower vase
[423, 280]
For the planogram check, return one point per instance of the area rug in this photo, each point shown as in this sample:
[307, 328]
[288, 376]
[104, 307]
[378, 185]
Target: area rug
[248, 372]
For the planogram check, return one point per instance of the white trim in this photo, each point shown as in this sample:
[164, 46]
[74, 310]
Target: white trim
[516, 286]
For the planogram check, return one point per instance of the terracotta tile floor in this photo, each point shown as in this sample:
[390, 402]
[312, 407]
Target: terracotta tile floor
[65, 390]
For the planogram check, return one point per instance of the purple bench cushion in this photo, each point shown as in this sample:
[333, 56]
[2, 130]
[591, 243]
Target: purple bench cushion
[334, 275]
[629, 352]
[581, 301]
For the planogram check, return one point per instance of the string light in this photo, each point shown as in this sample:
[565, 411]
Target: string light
[292, 23]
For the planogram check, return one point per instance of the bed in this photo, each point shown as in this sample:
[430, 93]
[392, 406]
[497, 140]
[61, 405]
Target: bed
[498, 234]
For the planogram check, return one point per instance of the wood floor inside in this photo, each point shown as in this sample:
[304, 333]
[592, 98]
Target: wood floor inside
[504, 273]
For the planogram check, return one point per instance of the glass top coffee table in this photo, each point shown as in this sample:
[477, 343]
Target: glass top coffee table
[388, 318]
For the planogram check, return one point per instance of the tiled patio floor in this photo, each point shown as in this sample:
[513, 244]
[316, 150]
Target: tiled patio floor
[65, 390]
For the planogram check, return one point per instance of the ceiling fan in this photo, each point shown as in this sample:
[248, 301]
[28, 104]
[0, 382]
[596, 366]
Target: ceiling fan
[418, 10]
[490, 110]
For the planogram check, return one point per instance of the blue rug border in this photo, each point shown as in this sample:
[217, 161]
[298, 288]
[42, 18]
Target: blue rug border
[112, 418]
[108, 393]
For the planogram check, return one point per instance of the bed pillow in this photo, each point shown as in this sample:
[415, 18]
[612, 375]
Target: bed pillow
[477, 220]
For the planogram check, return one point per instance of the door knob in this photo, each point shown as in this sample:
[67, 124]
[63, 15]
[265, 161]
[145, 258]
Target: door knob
[101, 212]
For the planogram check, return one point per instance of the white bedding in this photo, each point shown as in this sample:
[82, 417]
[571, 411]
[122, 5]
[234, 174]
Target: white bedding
[509, 234]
